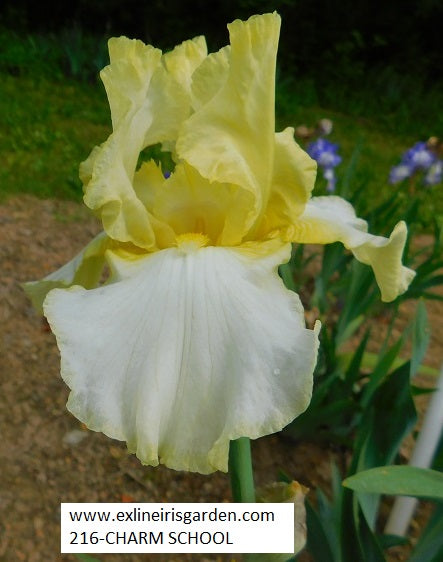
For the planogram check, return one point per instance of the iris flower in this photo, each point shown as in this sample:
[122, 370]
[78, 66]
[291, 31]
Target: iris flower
[325, 153]
[420, 157]
[193, 340]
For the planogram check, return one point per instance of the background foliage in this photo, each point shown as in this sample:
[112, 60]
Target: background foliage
[315, 34]
[393, 49]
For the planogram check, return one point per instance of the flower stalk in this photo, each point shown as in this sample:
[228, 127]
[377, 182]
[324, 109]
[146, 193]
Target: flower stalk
[240, 471]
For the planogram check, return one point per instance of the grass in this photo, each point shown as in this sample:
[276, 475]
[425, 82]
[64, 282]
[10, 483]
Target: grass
[46, 129]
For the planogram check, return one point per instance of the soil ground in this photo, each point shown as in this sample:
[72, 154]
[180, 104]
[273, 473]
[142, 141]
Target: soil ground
[46, 455]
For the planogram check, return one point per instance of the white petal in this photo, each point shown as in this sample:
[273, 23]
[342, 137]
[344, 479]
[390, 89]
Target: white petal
[186, 353]
[84, 269]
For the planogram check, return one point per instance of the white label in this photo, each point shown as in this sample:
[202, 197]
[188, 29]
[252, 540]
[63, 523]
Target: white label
[177, 527]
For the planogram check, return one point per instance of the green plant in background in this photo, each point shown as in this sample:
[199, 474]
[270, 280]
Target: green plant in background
[48, 121]
[45, 127]
[69, 53]
[85, 54]
[346, 295]
[372, 424]
[361, 401]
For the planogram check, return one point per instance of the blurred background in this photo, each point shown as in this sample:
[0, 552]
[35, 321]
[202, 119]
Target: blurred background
[329, 42]
[373, 68]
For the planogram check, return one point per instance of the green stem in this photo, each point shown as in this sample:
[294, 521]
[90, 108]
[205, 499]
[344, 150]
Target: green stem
[240, 470]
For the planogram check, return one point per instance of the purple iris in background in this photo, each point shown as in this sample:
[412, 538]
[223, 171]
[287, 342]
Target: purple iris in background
[325, 153]
[435, 173]
[418, 158]
[399, 173]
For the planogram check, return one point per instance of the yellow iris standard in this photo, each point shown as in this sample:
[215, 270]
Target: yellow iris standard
[194, 341]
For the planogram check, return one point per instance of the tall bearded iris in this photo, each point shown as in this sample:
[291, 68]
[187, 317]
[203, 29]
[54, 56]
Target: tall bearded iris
[194, 341]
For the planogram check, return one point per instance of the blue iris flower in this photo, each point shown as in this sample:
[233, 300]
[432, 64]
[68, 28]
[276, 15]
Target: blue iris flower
[325, 153]
[418, 158]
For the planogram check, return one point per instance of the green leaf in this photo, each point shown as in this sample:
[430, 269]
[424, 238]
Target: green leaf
[419, 390]
[379, 217]
[358, 541]
[389, 416]
[285, 272]
[420, 337]
[349, 174]
[398, 480]
[317, 542]
[324, 522]
[349, 329]
[313, 422]
[86, 558]
[437, 463]
[369, 361]
[359, 296]
[381, 370]
[430, 545]
[388, 541]
[432, 281]
[431, 296]
[371, 546]
[333, 261]
[352, 372]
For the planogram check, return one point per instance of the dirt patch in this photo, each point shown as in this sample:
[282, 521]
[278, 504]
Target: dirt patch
[46, 455]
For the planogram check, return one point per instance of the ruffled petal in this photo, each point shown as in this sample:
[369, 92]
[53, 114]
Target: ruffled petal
[182, 61]
[332, 219]
[85, 270]
[210, 76]
[292, 181]
[188, 202]
[147, 106]
[135, 78]
[231, 138]
[110, 192]
[186, 352]
[149, 182]
[127, 78]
